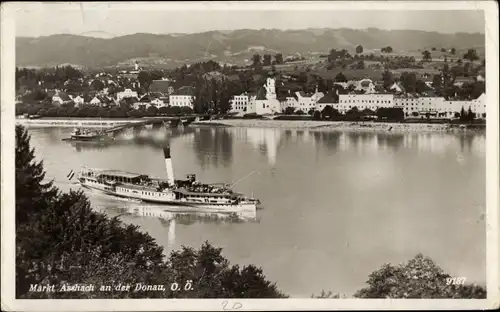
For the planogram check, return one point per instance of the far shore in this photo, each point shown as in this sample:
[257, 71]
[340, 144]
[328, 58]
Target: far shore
[336, 125]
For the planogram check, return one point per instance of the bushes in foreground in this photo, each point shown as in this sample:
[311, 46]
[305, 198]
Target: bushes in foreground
[418, 278]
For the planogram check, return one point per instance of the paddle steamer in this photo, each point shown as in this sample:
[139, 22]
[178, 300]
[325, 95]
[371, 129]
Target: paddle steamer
[189, 192]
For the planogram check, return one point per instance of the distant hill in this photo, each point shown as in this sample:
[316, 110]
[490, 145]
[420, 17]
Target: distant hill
[232, 47]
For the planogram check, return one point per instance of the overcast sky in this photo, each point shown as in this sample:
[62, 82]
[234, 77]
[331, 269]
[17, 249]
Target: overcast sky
[37, 19]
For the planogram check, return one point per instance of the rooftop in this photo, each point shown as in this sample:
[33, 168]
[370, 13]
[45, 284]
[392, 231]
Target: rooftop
[328, 98]
[159, 86]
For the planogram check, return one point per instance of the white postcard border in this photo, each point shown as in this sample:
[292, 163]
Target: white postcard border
[7, 173]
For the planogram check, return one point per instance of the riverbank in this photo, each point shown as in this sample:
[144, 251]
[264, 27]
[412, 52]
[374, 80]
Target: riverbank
[263, 123]
[338, 125]
[75, 122]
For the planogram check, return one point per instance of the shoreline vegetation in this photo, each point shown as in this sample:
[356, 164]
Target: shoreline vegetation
[62, 242]
[313, 125]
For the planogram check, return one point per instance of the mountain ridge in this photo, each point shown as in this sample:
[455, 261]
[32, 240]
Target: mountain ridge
[221, 45]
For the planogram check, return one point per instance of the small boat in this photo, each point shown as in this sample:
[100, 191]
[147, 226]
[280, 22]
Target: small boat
[80, 134]
[187, 193]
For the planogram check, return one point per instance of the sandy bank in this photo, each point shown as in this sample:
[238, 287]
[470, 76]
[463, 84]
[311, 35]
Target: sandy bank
[334, 125]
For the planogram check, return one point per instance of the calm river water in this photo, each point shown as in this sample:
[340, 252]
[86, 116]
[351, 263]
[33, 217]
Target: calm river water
[337, 205]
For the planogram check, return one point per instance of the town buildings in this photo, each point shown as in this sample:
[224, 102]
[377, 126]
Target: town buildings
[60, 98]
[438, 107]
[265, 102]
[239, 103]
[128, 93]
[184, 97]
[306, 102]
[364, 101]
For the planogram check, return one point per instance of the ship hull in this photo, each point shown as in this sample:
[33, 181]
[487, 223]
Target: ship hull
[169, 199]
[88, 139]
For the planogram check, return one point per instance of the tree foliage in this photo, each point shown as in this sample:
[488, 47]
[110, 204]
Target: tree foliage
[387, 49]
[426, 56]
[418, 278]
[471, 55]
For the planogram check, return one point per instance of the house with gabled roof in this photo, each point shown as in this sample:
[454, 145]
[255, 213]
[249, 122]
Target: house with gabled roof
[78, 100]
[60, 98]
[331, 98]
[397, 88]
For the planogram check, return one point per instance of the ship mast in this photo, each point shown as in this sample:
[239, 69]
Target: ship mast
[244, 177]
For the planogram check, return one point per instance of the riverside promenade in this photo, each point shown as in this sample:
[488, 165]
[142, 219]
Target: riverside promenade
[77, 122]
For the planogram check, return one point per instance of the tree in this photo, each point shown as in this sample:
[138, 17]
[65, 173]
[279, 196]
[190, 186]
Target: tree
[471, 55]
[426, 56]
[409, 81]
[453, 51]
[470, 115]
[289, 110]
[340, 78]
[433, 48]
[359, 49]
[31, 192]
[267, 60]
[97, 85]
[386, 50]
[388, 79]
[463, 114]
[316, 115]
[151, 111]
[419, 278]
[163, 110]
[278, 58]
[256, 60]
[443, 50]
[437, 83]
[360, 64]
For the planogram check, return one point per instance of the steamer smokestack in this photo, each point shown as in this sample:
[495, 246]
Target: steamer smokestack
[168, 165]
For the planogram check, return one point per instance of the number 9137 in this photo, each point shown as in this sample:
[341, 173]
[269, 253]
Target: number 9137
[456, 280]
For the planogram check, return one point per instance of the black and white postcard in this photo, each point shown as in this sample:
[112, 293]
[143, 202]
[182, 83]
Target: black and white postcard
[287, 155]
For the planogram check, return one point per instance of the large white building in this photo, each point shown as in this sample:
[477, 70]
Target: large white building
[306, 102]
[239, 103]
[265, 102]
[184, 97]
[128, 93]
[438, 107]
[289, 101]
[364, 101]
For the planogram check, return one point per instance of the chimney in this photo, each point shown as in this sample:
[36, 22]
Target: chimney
[168, 166]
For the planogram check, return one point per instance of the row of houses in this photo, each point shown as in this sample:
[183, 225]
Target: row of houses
[161, 94]
[265, 102]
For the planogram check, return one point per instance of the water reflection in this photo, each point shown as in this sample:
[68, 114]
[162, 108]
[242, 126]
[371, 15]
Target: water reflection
[267, 140]
[153, 138]
[213, 147]
[169, 217]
